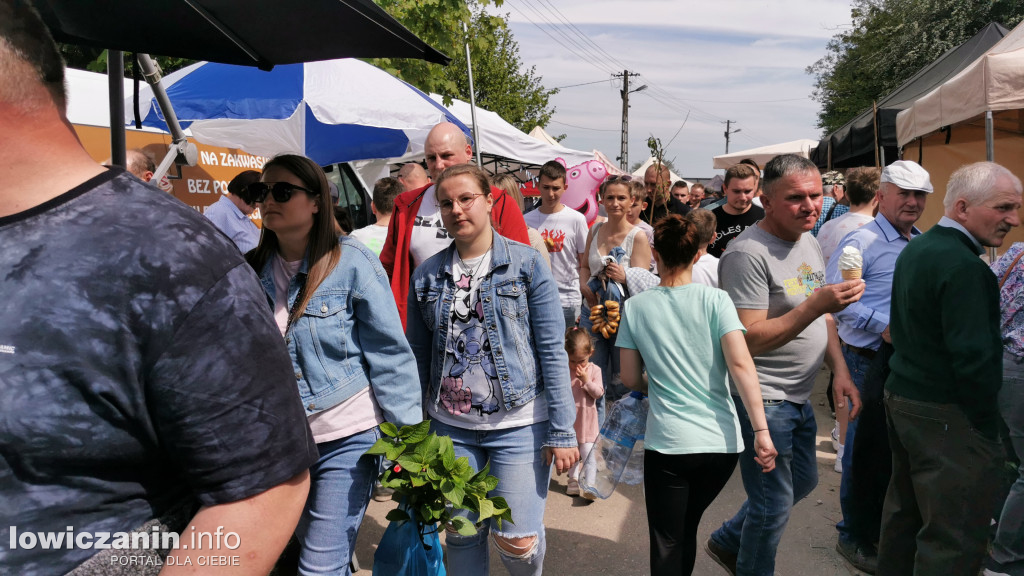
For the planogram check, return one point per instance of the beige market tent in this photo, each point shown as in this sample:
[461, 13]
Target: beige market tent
[765, 153]
[639, 172]
[976, 115]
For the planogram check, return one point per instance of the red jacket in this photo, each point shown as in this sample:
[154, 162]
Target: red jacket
[395, 256]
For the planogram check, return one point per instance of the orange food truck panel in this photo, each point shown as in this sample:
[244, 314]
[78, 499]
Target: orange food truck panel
[197, 186]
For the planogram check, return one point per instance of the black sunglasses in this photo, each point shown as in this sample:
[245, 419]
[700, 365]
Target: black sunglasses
[281, 191]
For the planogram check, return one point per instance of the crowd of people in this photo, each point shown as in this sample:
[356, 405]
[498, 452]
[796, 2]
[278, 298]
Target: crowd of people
[175, 378]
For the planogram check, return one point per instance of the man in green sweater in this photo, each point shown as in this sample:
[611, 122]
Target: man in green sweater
[946, 372]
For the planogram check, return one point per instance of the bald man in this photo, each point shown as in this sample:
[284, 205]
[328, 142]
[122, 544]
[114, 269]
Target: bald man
[140, 163]
[413, 176]
[416, 232]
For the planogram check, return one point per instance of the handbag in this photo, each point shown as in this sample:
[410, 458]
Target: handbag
[409, 548]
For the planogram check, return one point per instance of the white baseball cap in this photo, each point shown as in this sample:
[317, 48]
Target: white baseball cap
[908, 175]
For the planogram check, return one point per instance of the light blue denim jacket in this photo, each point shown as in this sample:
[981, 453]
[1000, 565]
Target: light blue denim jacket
[524, 323]
[349, 337]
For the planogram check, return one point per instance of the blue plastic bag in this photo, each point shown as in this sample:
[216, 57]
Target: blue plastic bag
[409, 549]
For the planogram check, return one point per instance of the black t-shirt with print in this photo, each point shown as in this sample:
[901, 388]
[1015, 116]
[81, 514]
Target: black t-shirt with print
[140, 370]
[729, 226]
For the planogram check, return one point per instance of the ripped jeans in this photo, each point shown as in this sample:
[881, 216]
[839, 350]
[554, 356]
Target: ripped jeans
[517, 462]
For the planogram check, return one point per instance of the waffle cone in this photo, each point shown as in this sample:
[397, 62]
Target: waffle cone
[851, 274]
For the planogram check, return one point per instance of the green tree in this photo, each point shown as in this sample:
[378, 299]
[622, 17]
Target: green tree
[503, 85]
[889, 41]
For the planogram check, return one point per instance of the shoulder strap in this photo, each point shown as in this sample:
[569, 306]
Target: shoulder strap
[1010, 269]
[828, 215]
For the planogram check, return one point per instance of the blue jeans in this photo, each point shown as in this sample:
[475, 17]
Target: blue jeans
[340, 485]
[756, 529]
[570, 314]
[858, 366]
[606, 357]
[516, 460]
[1008, 547]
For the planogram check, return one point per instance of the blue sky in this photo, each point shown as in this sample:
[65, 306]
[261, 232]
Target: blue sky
[741, 60]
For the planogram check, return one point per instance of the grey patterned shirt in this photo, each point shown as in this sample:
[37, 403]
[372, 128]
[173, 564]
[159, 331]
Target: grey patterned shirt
[140, 369]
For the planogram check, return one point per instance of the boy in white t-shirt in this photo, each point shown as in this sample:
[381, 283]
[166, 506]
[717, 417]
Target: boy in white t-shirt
[382, 205]
[705, 269]
[565, 233]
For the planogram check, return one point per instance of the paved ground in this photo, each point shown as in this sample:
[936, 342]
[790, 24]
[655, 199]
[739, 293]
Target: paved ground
[610, 536]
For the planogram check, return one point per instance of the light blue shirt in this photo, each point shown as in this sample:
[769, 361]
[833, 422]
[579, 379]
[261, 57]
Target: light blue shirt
[950, 223]
[861, 323]
[233, 223]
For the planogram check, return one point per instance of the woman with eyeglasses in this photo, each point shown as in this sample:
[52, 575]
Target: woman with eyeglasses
[617, 197]
[485, 324]
[353, 365]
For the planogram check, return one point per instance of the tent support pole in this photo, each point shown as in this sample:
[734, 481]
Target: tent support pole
[990, 151]
[990, 155]
[472, 98]
[180, 145]
[874, 122]
[115, 85]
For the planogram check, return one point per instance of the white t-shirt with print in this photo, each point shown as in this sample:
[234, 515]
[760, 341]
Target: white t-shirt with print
[429, 235]
[565, 234]
[470, 393]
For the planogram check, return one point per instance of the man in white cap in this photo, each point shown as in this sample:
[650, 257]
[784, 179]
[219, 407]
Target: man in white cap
[863, 326]
[946, 373]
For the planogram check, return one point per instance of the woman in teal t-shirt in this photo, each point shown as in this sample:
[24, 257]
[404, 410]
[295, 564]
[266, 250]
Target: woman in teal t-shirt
[689, 337]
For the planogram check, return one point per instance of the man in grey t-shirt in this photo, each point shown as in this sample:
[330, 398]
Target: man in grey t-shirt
[775, 274]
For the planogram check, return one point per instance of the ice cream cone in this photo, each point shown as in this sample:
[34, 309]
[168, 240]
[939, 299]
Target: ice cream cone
[851, 274]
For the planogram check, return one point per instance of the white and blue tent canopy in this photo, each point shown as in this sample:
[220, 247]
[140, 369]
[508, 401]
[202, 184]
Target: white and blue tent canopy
[331, 111]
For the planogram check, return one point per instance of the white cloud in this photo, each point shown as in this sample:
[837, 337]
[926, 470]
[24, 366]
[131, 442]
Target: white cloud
[741, 60]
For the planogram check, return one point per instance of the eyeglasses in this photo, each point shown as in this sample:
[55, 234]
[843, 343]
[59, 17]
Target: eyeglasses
[619, 178]
[281, 191]
[464, 202]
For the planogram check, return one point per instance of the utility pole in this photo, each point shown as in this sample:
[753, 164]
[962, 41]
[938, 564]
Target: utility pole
[624, 148]
[729, 123]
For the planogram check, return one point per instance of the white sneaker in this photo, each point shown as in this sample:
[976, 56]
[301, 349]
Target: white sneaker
[835, 438]
[839, 459]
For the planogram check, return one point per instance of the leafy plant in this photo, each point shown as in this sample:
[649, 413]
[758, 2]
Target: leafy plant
[432, 483]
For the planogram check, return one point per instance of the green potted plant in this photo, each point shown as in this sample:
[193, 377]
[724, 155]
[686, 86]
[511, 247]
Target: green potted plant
[430, 484]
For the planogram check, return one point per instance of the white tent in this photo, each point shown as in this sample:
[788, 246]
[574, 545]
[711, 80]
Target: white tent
[542, 135]
[765, 153]
[994, 82]
[503, 147]
[504, 141]
[639, 172]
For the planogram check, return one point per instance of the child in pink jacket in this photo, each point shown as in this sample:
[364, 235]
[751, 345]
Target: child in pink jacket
[586, 389]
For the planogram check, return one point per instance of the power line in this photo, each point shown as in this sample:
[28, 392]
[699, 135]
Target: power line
[584, 84]
[581, 127]
[582, 35]
[608, 71]
[577, 48]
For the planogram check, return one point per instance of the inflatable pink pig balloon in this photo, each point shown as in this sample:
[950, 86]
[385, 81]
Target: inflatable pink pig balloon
[581, 187]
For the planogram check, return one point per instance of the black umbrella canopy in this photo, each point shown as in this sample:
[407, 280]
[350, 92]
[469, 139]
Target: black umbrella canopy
[260, 33]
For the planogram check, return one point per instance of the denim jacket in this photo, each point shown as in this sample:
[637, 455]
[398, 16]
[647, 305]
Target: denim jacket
[524, 323]
[349, 337]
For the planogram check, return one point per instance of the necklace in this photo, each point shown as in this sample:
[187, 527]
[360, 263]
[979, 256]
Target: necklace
[466, 268]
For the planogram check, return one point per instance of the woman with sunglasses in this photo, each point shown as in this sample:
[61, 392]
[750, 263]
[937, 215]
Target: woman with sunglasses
[617, 197]
[353, 365]
[485, 324]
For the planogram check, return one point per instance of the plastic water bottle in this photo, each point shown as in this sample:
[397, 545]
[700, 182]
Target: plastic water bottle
[634, 472]
[613, 450]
